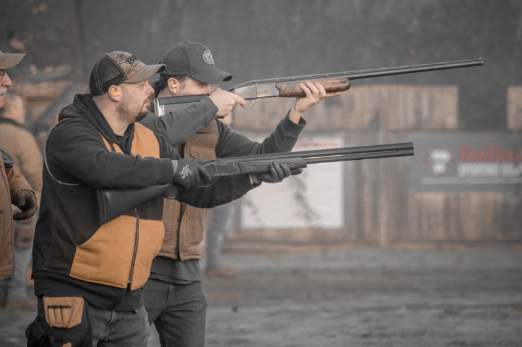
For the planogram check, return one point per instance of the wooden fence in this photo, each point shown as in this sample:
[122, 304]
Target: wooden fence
[379, 205]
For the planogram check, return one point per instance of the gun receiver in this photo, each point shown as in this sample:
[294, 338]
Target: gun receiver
[113, 203]
[333, 82]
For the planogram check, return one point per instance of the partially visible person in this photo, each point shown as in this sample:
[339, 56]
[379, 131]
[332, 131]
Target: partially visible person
[21, 145]
[14, 188]
[20, 142]
[174, 295]
[219, 223]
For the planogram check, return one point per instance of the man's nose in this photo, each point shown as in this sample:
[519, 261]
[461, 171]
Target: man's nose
[211, 88]
[149, 90]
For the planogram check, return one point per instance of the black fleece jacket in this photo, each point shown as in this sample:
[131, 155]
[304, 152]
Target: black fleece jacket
[78, 164]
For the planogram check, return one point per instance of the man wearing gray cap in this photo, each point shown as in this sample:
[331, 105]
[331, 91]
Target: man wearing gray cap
[174, 296]
[89, 274]
[14, 189]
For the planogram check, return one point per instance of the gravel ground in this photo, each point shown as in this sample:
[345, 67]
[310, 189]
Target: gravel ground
[356, 296]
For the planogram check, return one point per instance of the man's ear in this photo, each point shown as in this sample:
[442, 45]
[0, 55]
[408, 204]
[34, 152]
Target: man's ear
[114, 93]
[174, 85]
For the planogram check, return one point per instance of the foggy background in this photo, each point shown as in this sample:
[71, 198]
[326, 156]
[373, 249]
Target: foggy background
[377, 257]
[254, 39]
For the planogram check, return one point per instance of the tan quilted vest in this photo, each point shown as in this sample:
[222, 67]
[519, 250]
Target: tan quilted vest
[184, 224]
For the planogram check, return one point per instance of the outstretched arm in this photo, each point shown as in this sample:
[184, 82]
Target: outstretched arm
[284, 137]
[221, 191]
[178, 126]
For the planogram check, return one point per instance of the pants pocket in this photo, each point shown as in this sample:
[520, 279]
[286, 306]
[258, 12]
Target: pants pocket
[63, 312]
[61, 322]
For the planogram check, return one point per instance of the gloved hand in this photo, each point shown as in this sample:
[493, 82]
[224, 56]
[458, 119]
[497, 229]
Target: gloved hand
[188, 173]
[25, 200]
[278, 172]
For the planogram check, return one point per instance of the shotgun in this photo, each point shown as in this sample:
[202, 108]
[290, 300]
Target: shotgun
[289, 86]
[113, 203]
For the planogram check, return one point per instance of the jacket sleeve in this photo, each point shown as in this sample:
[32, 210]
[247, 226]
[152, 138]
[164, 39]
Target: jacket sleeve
[76, 154]
[16, 180]
[221, 191]
[178, 126]
[282, 139]
[30, 161]
[166, 150]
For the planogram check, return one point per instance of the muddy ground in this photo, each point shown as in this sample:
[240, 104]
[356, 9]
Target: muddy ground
[357, 296]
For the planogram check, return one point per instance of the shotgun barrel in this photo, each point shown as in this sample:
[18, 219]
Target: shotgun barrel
[372, 73]
[113, 203]
[327, 152]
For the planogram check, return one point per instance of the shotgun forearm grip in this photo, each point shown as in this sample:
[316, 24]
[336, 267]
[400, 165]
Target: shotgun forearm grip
[330, 85]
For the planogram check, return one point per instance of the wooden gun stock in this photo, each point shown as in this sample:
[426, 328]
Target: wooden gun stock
[330, 85]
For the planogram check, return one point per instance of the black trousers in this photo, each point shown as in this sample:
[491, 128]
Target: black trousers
[178, 312]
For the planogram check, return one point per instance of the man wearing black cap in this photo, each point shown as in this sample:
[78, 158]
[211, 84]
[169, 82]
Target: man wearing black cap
[88, 275]
[174, 296]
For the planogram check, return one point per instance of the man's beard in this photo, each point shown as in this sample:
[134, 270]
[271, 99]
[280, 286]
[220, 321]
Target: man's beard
[141, 115]
[2, 99]
[145, 108]
[130, 115]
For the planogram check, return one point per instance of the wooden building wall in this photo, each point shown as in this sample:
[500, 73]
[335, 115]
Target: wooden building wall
[380, 206]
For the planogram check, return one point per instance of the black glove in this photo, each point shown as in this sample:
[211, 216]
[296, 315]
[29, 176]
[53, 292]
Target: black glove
[188, 173]
[278, 172]
[25, 200]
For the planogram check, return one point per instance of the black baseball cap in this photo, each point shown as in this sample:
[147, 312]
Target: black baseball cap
[195, 60]
[118, 67]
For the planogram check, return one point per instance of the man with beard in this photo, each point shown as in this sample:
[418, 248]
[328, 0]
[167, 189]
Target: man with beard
[89, 275]
[174, 296]
[14, 189]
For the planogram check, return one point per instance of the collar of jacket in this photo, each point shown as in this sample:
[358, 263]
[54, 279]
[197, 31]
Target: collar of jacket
[83, 107]
[6, 158]
[4, 120]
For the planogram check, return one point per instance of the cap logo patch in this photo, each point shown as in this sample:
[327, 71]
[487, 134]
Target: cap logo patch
[207, 57]
[132, 59]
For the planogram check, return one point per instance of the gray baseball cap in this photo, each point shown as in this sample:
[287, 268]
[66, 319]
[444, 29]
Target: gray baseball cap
[8, 60]
[195, 60]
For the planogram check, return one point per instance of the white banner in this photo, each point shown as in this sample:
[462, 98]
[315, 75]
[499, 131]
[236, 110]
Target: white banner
[313, 199]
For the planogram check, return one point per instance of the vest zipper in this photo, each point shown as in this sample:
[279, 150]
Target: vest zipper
[181, 209]
[135, 251]
[180, 218]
